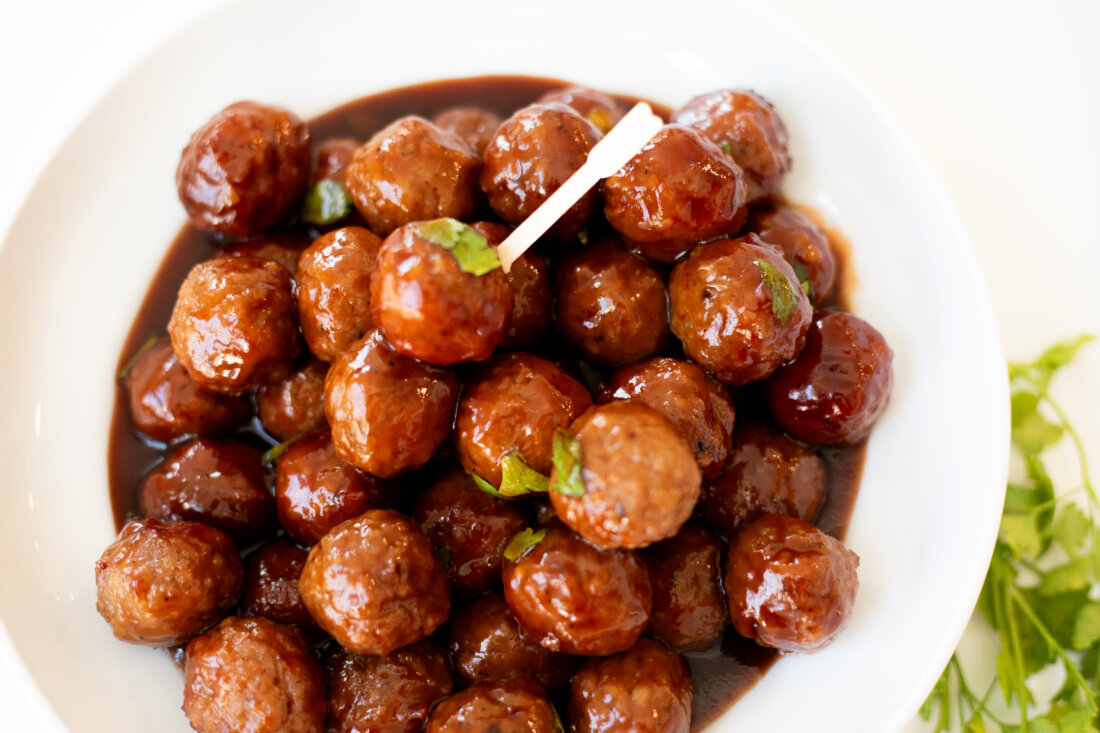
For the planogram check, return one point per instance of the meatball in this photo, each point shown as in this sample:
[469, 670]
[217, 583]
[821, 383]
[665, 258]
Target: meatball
[600, 109]
[161, 583]
[375, 584]
[804, 246]
[475, 125]
[639, 481]
[516, 705]
[685, 573]
[392, 693]
[334, 290]
[413, 170]
[486, 642]
[680, 189]
[294, 404]
[282, 248]
[244, 169]
[216, 482]
[790, 585]
[333, 158]
[427, 302]
[738, 309]
[166, 404]
[768, 473]
[515, 404]
[472, 526]
[748, 131]
[530, 283]
[234, 325]
[388, 412]
[531, 155]
[699, 406]
[253, 676]
[575, 598]
[645, 689]
[271, 584]
[612, 305]
[838, 386]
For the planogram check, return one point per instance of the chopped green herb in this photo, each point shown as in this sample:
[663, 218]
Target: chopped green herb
[803, 277]
[133, 360]
[444, 555]
[517, 479]
[326, 202]
[726, 148]
[567, 461]
[784, 300]
[522, 542]
[593, 376]
[472, 250]
[275, 452]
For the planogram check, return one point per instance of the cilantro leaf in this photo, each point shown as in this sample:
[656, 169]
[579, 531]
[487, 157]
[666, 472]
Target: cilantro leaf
[1086, 628]
[523, 541]
[1071, 527]
[275, 452]
[517, 479]
[1021, 534]
[567, 460]
[784, 299]
[472, 250]
[803, 277]
[326, 202]
[1074, 575]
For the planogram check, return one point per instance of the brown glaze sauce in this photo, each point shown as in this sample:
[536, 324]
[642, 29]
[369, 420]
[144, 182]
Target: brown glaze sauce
[720, 674]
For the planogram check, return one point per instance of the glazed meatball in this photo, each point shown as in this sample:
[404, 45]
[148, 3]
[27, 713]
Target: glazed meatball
[392, 694]
[429, 306]
[375, 584]
[234, 325]
[531, 155]
[748, 130]
[388, 412]
[333, 158]
[282, 248]
[838, 386]
[315, 489]
[334, 290]
[244, 169]
[738, 309]
[161, 583]
[253, 676]
[699, 406]
[473, 124]
[413, 170]
[515, 404]
[685, 573]
[486, 642]
[768, 473]
[680, 189]
[473, 526]
[516, 705]
[166, 404]
[804, 246]
[639, 479]
[645, 689]
[572, 597]
[530, 283]
[612, 305]
[216, 482]
[294, 404]
[271, 584]
[790, 585]
[600, 109]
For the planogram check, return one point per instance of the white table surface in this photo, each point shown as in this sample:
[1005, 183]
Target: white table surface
[1001, 96]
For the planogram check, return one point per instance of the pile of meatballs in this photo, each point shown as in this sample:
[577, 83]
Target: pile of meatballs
[499, 501]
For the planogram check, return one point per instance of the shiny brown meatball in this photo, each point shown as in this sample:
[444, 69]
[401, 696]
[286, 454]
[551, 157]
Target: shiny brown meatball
[790, 585]
[645, 689]
[473, 526]
[473, 124]
[748, 130]
[640, 481]
[699, 406]
[333, 158]
[515, 404]
[390, 694]
[685, 572]
[516, 705]
[575, 598]
[294, 404]
[161, 583]
[388, 412]
[486, 642]
[413, 170]
[216, 482]
[530, 283]
[253, 676]
[429, 307]
[271, 584]
[165, 403]
[738, 309]
[234, 325]
[680, 189]
[375, 584]
[600, 109]
[804, 246]
[334, 290]
[612, 305]
[768, 473]
[838, 386]
[532, 153]
[281, 247]
[244, 169]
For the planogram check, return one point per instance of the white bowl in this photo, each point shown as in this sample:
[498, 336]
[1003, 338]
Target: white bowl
[80, 254]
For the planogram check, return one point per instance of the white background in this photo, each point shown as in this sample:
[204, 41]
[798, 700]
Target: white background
[1001, 96]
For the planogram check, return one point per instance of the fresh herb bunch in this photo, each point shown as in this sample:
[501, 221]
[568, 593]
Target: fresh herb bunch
[1037, 591]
